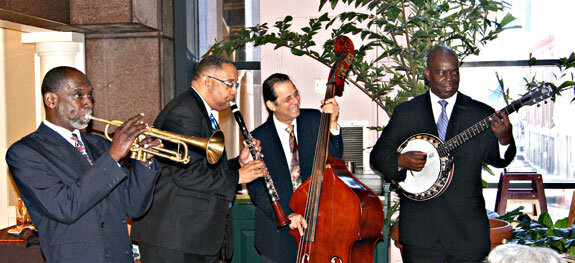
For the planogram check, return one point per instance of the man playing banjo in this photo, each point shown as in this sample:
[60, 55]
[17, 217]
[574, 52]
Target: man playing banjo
[451, 226]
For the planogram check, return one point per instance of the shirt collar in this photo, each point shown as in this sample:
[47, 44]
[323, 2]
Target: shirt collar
[67, 134]
[450, 101]
[208, 108]
[280, 126]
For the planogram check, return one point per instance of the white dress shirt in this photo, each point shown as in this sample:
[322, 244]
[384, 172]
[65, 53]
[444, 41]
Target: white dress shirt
[436, 107]
[64, 132]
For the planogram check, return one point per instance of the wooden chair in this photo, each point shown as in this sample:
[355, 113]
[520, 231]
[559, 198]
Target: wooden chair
[534, 196]
[571, 217]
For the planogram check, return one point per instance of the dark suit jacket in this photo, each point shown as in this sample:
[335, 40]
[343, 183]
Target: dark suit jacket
[79, 209]
[457, 218]
[276, 244]
[191, 209]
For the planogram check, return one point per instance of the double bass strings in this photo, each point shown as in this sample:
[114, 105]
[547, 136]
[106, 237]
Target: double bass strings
[314, 195]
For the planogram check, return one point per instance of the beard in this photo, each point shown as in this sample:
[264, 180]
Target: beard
[80, 122]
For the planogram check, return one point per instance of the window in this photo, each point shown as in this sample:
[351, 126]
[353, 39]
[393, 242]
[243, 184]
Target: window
[543, 133]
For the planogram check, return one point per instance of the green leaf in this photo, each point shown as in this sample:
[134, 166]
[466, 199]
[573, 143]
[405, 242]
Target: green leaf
[507, 20]
[297, 52]
[565, 84]
[562, 223]
[545, 219]
[393, 13]
[321, 3]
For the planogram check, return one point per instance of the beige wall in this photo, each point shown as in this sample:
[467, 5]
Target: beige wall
[20, 95]
[355, 106]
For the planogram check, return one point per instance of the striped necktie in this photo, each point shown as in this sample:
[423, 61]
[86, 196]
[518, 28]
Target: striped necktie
[442, 121]
[214, 123]
[80, 147]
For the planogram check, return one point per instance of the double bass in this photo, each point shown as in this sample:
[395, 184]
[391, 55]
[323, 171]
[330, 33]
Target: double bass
[344, 217]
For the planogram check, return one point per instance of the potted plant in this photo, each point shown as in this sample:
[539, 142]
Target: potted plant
[541, 232]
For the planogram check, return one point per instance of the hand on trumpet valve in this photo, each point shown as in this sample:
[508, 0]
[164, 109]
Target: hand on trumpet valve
[125, 135]
[147, 142]
[252, 170]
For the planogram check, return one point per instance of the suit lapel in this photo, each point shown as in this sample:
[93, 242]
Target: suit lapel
[454, 126]
[91, 147]
[275, 142]
[427, 119]
[274, 154]
[202, 108]
[55, 145]
[306, 146]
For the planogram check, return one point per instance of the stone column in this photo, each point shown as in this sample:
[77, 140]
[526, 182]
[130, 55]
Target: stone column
[54, 49]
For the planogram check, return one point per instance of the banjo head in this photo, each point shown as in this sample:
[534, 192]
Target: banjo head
[419, 182]
[435, 176]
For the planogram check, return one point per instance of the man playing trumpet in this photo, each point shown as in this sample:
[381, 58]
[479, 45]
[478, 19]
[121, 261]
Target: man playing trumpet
[76, 191]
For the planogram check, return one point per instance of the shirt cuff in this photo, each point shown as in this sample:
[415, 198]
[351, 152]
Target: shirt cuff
[502, 150]
[335, 132]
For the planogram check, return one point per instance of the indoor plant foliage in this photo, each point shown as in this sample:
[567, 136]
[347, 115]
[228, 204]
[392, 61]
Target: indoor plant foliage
[395, 34]
[542, 232]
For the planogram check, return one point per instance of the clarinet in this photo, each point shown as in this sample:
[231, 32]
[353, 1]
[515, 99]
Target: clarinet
[273, 194]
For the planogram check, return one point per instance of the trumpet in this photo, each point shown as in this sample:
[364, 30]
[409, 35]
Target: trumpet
[213, 146]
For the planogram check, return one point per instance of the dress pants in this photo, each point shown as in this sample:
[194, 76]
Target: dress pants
[156, 254]
[437, 254]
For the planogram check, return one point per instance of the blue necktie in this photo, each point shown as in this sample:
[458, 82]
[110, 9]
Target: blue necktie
[442, 121]
[80, 147]
[214, 123]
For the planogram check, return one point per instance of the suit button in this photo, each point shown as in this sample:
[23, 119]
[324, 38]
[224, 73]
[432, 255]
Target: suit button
[102, 225]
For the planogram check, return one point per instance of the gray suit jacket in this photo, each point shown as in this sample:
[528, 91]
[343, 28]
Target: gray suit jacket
[79, 209]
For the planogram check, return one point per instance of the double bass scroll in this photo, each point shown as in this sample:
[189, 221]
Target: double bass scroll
[269, 184]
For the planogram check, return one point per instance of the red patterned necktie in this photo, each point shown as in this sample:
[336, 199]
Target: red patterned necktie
[80, 147]
[294, 164]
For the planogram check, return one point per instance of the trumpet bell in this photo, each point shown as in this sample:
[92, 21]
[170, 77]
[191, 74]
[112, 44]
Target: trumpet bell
[215, 147]
[212, 146]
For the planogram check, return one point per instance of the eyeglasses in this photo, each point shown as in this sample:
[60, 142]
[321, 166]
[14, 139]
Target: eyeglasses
[231, 85]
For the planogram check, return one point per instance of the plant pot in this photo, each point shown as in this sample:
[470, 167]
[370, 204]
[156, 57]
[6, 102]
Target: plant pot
[499, 232]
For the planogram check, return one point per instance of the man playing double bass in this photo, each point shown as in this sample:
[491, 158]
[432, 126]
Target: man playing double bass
[452, 227]
[288, 140]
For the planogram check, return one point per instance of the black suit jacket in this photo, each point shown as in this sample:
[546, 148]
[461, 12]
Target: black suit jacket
[457, 218]
[276, 244]
[191, 209]
[79, 209]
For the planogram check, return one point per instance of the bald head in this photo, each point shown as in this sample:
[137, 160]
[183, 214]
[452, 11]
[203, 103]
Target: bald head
[442, 71]
[439, 51]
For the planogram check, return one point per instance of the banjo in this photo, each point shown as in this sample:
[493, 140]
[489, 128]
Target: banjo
[437, 173]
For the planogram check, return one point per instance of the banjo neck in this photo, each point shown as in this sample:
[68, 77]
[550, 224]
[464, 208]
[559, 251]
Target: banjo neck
[447, 147]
